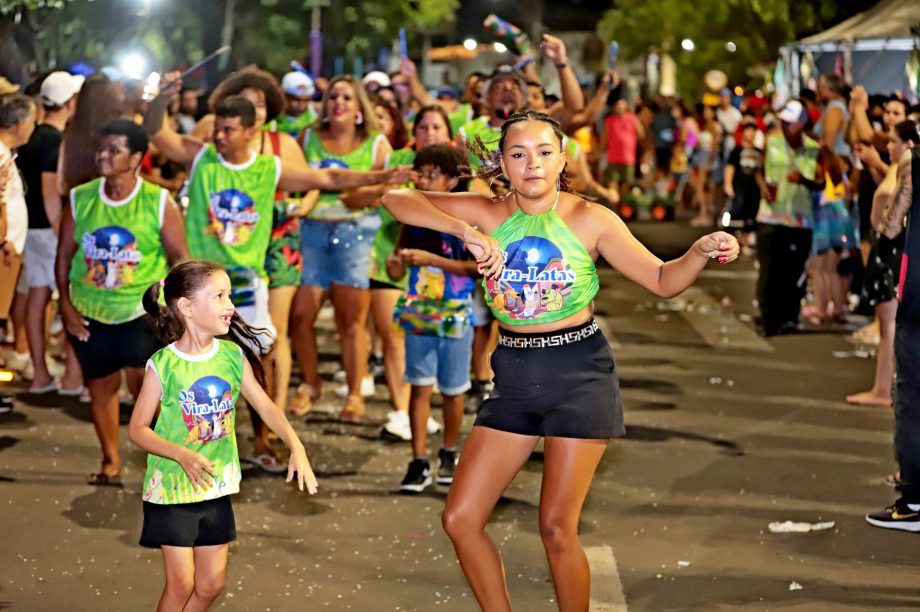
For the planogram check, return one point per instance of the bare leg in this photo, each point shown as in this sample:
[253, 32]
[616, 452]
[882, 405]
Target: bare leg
[419, 411]
[569, 466]
[452, 406]
[210, 576]
[179, 562]
[490, 460]
[394, 346]
[306, 307]
[880, 393]
[18, 315]
[73, 373]
[35, 330]
[279, 307]
[351, 310]
[104, 395]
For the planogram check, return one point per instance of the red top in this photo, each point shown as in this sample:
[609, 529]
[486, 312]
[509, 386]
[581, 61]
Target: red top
[621, 138]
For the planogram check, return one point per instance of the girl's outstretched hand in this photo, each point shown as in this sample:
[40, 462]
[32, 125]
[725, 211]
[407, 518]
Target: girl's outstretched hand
[719, 245]
[301, 465]
[486, 251]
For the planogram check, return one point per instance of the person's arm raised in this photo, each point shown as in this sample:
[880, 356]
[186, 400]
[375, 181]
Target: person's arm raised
[180, 149]
[620, 248]
[572, 96]
[458, 214]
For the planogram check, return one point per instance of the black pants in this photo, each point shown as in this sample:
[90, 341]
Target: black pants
[782, 252]
[907, 410]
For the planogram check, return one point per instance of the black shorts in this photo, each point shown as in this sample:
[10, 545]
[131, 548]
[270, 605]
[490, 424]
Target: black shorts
[205, 523]
[569, 390]
[113, 347]
[376, 284]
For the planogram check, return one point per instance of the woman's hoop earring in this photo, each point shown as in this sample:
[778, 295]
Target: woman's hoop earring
[359, 119]
[491, 182]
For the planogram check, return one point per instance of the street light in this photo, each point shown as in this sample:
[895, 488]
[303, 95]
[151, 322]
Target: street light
[732, 47]
[133, 64]
[687, 45]
[499, 47]
[470, 44]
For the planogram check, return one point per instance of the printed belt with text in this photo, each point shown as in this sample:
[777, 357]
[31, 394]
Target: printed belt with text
[549, 341]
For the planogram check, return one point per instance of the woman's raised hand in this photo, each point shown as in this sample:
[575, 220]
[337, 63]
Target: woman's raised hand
[719, 245]
[486, 251]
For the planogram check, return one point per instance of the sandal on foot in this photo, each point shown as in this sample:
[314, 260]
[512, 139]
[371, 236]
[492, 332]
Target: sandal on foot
[104, 480]
[72, 392]
[303, 400]
[352, 411]
[52, 386]
[268, 463]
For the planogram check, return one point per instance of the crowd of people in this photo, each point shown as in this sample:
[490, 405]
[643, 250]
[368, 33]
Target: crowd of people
[149, 228]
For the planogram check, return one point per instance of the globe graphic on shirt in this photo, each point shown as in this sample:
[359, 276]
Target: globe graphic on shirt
[207, 409]
[333, 163]
[111, 257]
[536, 279]
[232, 216]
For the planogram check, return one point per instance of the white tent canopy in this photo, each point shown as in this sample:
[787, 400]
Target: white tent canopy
[875, 48]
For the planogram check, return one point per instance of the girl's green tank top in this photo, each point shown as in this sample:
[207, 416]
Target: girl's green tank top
[547, 276]
[197, 411]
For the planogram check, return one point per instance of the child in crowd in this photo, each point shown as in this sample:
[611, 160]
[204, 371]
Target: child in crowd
[744, 184]
[194, 465]
[436, 313]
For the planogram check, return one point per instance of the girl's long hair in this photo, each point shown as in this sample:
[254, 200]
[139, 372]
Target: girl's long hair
[185, 280]
[99, 101]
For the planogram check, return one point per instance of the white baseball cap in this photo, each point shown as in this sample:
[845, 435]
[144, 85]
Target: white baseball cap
[792, 112]
[59, 87]
[380, 78]
[298, 84]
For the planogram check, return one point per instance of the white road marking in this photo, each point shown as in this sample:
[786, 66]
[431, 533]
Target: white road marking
[606, 588]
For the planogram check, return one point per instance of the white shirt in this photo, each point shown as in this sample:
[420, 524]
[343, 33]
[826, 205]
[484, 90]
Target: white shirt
[17, 214]
[729, 118]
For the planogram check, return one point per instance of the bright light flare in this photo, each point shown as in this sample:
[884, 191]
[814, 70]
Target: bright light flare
[470, 44]
[134, 65]
[687, 45]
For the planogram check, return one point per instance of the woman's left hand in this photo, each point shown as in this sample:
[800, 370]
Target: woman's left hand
[719, 245]
[485, 249]
[301, 465]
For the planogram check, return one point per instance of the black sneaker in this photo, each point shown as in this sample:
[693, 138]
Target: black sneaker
[900, 515]
[447, 465]
[478, 393]
[418, 477]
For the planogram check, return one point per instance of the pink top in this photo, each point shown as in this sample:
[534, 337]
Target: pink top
[621, 138]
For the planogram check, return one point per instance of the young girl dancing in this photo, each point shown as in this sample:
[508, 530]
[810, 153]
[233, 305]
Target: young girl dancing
[194, 465]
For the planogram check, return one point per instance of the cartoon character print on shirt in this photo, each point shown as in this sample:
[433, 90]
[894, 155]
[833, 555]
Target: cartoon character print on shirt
[232, 216]
[207, 410]
[536, 279]
[111, 257]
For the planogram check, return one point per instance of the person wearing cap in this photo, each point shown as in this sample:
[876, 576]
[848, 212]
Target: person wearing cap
[7, 88]
[374, 80]
[38, 163]
[298, 113]
[505, 93]
[785, 220]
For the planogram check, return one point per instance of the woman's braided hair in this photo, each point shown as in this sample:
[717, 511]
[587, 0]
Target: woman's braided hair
[491, 167]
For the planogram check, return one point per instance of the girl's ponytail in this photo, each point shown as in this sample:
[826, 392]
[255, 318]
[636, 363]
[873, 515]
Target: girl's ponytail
[252, 341]
[168, 327]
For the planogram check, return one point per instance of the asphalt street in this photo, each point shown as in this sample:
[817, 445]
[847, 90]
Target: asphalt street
[727, 432]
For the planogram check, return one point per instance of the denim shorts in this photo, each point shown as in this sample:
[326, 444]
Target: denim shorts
[430, 359]
[337, 251]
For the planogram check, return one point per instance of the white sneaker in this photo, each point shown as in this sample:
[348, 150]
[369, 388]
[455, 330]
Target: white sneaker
[367, 388]
[340, 376]
[397, 426]
[433, 426]
[19, 362]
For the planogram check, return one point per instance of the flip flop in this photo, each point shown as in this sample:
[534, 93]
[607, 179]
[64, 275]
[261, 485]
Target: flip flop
[52, 386]
[104, 480]
[75, 392]
[893, 480]
[268, 463]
